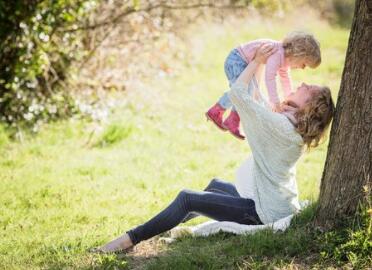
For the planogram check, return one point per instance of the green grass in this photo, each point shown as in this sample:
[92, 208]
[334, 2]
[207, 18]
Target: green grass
[74, 186]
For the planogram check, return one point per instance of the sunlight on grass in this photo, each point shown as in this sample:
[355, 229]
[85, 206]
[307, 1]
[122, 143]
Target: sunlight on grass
[113, 134]
[60, 196]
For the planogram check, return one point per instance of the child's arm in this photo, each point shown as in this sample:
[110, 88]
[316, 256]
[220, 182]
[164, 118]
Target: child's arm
[285, 79]
[272, 67]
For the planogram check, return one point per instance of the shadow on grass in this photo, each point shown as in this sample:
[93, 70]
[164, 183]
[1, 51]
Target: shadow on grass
[263, 250]
[299, 247]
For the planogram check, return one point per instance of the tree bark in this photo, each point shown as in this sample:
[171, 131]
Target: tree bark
[348, 166]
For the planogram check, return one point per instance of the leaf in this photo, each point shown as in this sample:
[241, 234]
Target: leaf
[136, 4]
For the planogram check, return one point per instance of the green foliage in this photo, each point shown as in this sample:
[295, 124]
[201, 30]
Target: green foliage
[339, 12]
[352, 243]
[4, 139]
[110, 262]
[343, 12]
[113, 134]
[268, 6]
[40, 40]
[262, 250]
[300, 245]
[37, 46]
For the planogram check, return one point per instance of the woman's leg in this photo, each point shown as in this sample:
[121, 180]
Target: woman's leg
[216, 206]
[222, 187]
[216, 186]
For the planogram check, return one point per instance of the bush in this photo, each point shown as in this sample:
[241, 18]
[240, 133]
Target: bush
[42, 41]
[3, 137]
[36, 50]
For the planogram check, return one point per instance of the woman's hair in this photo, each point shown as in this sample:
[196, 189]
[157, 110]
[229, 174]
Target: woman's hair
[314, 118]
[302, 45]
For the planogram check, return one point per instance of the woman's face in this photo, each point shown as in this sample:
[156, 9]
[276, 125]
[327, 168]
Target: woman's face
[302, 95]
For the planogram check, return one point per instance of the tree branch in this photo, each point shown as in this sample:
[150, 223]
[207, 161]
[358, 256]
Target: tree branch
[131, 10]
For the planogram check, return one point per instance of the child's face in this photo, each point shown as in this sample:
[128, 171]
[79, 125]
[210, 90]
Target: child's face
[297, 62]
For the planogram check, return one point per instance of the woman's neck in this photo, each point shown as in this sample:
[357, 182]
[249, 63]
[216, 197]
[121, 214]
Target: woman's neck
[291, 117]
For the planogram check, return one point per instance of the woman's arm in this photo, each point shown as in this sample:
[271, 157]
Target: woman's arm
[256, 94]
[253, 68]
[258, 120]
[259, 74]
[244, 96]
[246, 76]
[262, 54]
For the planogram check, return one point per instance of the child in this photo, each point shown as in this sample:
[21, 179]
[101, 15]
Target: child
[297, 50]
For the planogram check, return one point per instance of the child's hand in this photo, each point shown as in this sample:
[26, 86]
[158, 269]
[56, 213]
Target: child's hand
[264, 52]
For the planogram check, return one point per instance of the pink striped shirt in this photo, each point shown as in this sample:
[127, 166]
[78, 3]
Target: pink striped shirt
[275, 64]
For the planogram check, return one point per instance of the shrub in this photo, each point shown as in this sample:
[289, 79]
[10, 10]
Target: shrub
[36, 50]
[3, 137]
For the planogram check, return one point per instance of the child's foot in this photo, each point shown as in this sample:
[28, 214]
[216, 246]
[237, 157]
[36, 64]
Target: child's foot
[215, 114]
[232, 124]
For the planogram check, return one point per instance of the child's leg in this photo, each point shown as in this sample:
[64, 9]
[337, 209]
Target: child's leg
[224, 101]
[233, 68]
[232, 122]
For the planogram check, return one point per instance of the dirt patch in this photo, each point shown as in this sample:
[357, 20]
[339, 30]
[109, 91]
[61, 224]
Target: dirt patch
[145, 252]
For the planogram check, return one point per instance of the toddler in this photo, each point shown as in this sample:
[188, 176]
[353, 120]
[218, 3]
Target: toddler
[297, 50]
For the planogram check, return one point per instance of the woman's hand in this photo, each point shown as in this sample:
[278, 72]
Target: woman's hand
[277, 107]
[264, 52]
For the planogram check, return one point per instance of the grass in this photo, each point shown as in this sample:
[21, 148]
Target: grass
[75, 186]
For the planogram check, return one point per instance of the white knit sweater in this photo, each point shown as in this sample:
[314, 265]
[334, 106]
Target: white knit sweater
[268, 176]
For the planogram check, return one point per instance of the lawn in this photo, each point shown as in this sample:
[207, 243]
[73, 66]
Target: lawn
[77, 184]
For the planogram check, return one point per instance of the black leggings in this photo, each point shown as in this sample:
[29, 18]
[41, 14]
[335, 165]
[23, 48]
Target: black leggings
[220, 201]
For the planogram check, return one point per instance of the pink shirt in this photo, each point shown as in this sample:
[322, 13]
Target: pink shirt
[275, 64]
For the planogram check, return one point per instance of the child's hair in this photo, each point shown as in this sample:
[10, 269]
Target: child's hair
[300, 44]
[314, 118]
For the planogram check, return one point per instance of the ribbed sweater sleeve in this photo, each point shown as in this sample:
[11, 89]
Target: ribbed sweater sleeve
[256, 112]
[276, 146]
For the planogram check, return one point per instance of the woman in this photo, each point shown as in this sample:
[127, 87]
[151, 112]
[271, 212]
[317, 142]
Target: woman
[266, 188]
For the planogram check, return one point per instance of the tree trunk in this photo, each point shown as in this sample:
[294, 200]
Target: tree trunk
[348, 166]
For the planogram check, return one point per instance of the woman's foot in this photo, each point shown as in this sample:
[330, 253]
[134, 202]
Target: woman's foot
[232, 124]
[121, 244]
[215, 114]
